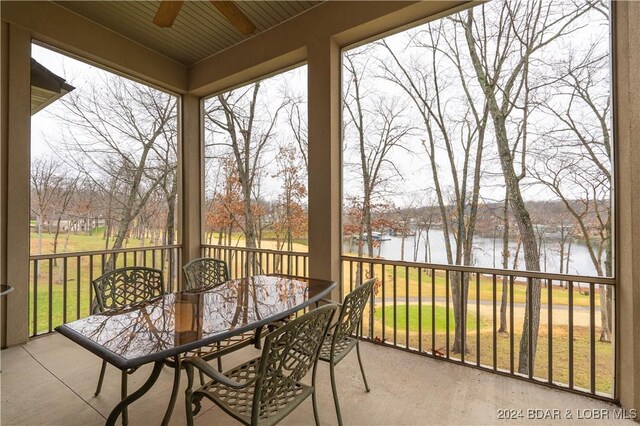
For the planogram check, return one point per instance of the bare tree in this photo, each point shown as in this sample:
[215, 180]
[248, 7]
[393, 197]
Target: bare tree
[575, 161]
[290, 217]
[116, 129]
[379, 127]
[46, 182]
[503, 39]
[459, 133]
[242, 122]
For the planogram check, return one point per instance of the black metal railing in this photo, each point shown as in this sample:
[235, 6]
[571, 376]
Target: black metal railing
[416, 307]
[244, 261]
[60, 284]
[421, 308]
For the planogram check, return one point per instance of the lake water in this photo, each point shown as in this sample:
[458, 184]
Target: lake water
[484, 249]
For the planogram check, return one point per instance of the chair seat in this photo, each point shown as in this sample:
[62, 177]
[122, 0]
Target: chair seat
[343, 346]
[216, 350]
[223, 347]
[238, 402]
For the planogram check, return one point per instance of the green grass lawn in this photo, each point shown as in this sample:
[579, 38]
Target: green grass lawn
[414, 313]
[400, 287]
[559, 352]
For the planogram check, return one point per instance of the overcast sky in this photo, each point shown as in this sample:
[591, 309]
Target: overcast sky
[414, 176]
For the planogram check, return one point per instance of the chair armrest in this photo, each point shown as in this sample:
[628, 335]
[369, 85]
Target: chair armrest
[330, 301]
[208, 370]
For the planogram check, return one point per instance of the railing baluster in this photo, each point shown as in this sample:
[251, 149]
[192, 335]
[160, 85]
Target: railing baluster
[433, 311]
[478, 319]
[463, 317]
[529, 304]
[495, 319]
[350, 279]
[419, 309]
[35, 297]
[171, 269]
[592, 335]
[50, 295]
[90, 282]
[273, 263]
[550, 328]
[446, 283]
[571, 334]
[384, 322]
[78, 285]
[64, 290]
[395, 307]
[511, 326]
[371, 310]
[304, 267]
[406, 298]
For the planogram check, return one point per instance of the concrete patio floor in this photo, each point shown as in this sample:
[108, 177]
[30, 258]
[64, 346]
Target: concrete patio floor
[51, 380]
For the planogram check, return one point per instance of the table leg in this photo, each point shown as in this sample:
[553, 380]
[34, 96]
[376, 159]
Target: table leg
[118, 409]
[174, 391]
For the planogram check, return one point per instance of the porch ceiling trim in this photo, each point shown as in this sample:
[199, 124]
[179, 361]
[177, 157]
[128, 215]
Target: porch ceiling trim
[62, 29]
[347, 22]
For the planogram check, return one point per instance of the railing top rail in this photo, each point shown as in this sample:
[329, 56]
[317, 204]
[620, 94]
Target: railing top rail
[256, 250]
[488, 271]
[99, 252]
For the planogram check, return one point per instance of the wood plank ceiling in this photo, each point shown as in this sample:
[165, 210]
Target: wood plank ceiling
[199, 30]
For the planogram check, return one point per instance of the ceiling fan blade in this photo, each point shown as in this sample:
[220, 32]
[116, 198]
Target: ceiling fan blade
[234, 15]
[167, 12]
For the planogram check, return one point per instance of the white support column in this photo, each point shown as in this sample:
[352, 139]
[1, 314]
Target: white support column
[190, 173]
[324, 161]
[15, 183]
[627, 129]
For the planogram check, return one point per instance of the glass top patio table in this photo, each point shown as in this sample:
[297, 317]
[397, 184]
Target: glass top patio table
[176, 323]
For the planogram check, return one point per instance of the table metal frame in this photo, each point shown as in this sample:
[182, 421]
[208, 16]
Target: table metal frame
[159, 358]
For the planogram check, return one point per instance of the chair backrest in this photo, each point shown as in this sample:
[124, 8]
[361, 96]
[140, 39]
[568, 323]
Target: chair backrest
[287, 356]
[352, 310]
[123, 287]
[205, 272]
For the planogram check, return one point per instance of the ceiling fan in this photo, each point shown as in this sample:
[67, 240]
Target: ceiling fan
[169, 9]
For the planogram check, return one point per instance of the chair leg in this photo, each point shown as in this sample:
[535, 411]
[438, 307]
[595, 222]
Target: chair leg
[315, 408]
[335, 392]
[257, 343]
[123, 395]
[101, 378]
[316, 417]
[219, 362]
[188, 408]
[188, 393]
[364, 378]
[174, 390]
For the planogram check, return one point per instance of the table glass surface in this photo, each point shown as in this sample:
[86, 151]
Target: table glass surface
[185, 319]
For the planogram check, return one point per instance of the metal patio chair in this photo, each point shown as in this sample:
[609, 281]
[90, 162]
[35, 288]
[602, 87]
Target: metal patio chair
[207, 273]
[118, 290]
[342, 336]
[264, 390]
